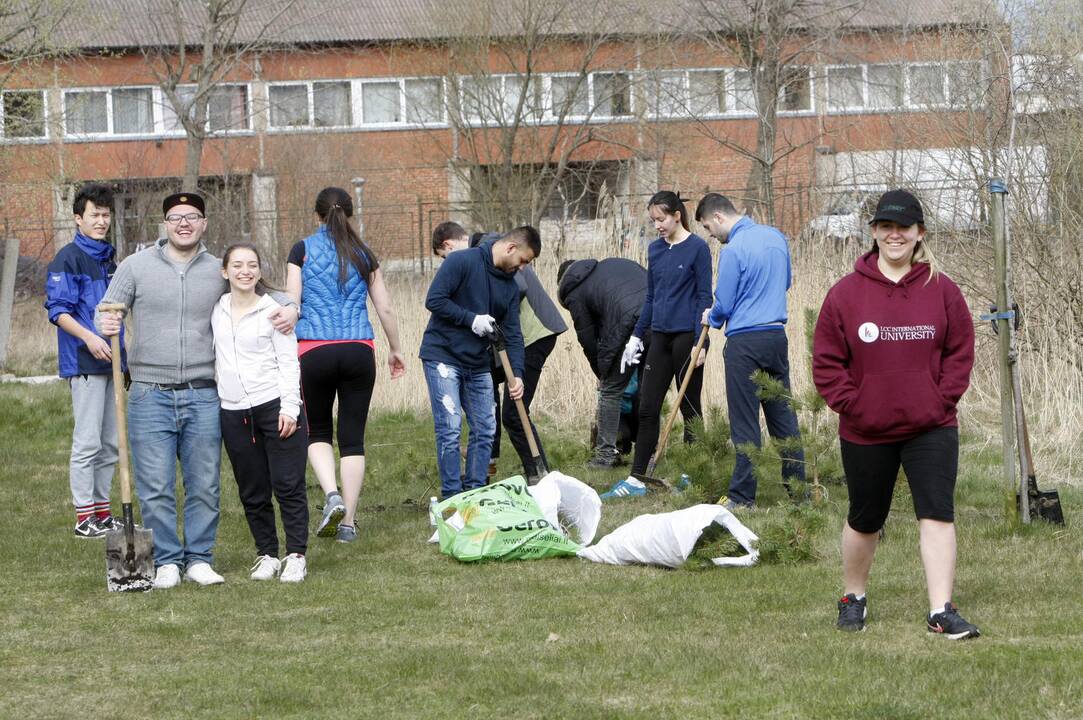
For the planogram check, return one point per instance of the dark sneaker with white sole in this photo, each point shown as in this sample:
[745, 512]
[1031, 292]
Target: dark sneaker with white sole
[333, 512]
[89, 528]
[951, 624]
[852, 613]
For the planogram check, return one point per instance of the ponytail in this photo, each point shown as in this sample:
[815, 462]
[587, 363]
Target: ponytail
[335, 208]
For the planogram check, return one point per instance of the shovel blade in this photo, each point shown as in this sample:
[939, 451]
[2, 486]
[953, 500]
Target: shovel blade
[653, 482]
[129, 567]
[1046, 505]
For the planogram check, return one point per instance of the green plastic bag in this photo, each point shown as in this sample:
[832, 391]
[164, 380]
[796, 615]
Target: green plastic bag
[498, 522]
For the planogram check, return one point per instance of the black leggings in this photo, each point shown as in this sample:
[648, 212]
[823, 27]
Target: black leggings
[667, 358]
[349, 371]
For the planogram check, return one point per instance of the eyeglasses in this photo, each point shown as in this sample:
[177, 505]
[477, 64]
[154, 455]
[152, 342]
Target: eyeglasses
[190, 217]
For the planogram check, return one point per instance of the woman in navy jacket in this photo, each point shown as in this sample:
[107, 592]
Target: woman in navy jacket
[678, 291]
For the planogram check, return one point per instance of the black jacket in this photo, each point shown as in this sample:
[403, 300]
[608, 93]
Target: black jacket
[604, 298]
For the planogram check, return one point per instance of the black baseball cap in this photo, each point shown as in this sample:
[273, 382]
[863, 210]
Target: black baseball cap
[183, 198]
[898, 206]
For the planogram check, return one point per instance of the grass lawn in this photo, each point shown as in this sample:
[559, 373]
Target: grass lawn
[389, 628]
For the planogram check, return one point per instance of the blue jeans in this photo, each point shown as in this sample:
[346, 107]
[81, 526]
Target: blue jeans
[165, 426]
[454, 392]
[745, 353]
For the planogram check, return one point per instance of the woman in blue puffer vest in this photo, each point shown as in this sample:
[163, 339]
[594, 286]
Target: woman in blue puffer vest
[332, 274]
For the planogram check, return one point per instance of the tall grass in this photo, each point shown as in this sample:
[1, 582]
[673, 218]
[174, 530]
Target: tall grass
[1052, 379]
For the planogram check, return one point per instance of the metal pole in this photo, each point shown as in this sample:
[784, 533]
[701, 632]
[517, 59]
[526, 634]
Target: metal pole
[7, 294]
[358, 203]
[1004, 326]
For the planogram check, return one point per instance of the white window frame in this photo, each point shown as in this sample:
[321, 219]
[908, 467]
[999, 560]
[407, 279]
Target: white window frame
[810, 76]
[44, 112]
[550, 113]
[310, 117]
[442, 122]
[159, 102]
[908, 99]
[727, 90]
[631, 95]
[904, 72]
[842, 110]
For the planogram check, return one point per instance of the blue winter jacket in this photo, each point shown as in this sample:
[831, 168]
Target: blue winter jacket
[330, 311]
[466, 285]
[77, 278]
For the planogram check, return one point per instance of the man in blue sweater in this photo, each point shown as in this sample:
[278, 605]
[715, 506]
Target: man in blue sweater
[472, 293]
[750, 300]
[77, 279]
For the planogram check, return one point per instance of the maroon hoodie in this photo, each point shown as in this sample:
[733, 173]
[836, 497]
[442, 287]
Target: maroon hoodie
[892, 359]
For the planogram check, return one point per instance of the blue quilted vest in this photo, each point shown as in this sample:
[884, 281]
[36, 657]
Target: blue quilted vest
[328, 311]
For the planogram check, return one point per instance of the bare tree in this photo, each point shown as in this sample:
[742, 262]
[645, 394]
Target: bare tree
[517, 134]
[773, 41]
[28, 32]
[198, 45]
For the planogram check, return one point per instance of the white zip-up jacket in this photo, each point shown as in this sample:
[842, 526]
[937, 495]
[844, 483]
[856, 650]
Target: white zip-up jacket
[253, 362]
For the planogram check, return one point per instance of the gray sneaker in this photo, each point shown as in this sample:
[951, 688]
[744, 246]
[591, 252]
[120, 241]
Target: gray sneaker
[89, 528]
[333, 512]
[346, 533]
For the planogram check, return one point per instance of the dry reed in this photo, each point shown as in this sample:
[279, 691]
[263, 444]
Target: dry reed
[1053, 382]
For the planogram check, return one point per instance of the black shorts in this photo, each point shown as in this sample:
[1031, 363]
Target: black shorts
[931, 463]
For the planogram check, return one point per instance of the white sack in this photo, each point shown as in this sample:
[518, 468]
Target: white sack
[667, 539]
[569, 504]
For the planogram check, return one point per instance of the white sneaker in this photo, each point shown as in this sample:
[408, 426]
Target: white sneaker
[166, 577]
[294, 568]
[203, 574]
[266, 568]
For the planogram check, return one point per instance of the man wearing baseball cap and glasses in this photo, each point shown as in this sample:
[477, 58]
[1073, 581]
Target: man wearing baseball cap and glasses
[170, 289]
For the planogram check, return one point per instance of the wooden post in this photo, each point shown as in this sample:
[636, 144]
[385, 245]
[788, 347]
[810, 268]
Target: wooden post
[7, 294]
[1004, 325]
[422, 251]
[359, 199]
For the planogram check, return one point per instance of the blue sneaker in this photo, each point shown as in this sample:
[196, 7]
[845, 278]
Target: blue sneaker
[629, 487]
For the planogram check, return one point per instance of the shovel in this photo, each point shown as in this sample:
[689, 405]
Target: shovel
[1045, 505]
[660, 449]
[500, 345]
[129, 551]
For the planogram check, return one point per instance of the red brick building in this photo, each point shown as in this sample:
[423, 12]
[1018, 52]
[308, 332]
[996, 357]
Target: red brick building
[384, 90]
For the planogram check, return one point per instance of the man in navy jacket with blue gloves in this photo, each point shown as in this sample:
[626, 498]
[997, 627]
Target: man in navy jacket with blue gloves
[472, 293]
[750, 300]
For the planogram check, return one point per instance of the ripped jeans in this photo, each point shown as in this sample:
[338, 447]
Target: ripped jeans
[454, 392]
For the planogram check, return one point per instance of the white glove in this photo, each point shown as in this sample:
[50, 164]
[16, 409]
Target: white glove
[483, 325]
[632, 351]
[705, 320]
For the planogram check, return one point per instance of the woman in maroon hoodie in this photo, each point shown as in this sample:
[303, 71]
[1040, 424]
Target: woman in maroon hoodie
[892, 355]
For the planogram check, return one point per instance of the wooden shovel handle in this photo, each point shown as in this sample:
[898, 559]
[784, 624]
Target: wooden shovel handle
[509, 375]
[121, 409]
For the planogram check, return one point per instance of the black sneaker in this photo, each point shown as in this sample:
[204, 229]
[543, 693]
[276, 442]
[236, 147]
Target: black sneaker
[852, 613]
[110, 522]
[89, 528]
[951, 624]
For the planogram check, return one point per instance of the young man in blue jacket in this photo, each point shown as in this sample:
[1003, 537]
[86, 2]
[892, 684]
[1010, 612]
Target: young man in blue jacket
[473, 292]
[750, 300]
[76, 281]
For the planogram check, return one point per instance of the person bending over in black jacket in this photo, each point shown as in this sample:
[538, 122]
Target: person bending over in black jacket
[604, 298]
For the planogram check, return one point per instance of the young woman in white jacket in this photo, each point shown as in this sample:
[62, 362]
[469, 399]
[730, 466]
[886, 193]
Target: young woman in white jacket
[263, 427]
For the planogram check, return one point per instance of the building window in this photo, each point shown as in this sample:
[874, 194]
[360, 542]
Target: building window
[289, 105]
[743, 94]
[927, 85]
[795, 93]
[380, 102]
[670, 97]
[845, 87]
[24, 114]
[227, 108]
[133, 111]
[707, 92]
[331, 103]
[966, 85]
[885, 84]
[86, 112]
[569, 96]
[170, 121]
[533, 106]
[612, 94]
[425, 101]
